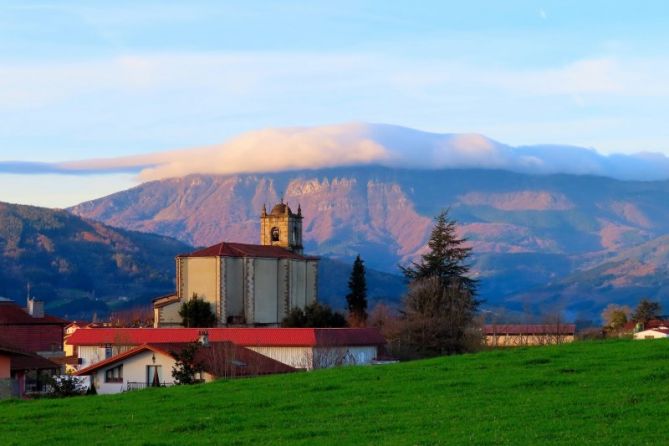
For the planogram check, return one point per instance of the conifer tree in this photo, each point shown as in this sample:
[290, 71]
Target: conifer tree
[446, 259]
[357, 298]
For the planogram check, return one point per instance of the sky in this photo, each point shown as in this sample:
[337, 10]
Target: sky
[91, 80]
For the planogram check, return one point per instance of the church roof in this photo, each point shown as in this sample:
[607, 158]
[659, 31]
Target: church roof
[225, 249]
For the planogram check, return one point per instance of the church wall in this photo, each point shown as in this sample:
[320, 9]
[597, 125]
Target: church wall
[312, 281]
[168, 315]
[200, 276]
[266, 292]
[234, 288]
[298, 288]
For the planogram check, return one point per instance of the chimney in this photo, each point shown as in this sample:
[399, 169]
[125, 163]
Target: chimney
[35, 308]
[203, 338]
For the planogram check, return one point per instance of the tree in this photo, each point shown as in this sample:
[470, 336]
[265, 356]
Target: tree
[186, 367]
[616, 316]
[439, 318]
[66, 385]
[441, 303]
[357, 298]
[446, 259]
[314, 315]
[197, 313]
[646, 310]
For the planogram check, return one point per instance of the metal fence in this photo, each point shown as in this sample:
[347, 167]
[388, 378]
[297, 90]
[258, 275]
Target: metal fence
[142, 385]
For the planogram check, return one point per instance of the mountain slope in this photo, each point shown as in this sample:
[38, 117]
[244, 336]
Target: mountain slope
[526, 230]
[79, 266]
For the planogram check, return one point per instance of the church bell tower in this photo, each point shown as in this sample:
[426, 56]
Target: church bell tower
[281, 227]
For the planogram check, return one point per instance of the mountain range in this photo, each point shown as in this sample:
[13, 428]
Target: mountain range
[535, 238]
[80, 267]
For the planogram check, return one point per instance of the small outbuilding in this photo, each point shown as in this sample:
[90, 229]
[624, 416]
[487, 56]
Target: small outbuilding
[653, 333]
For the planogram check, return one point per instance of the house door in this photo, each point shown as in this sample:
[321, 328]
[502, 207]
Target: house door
[154, 375]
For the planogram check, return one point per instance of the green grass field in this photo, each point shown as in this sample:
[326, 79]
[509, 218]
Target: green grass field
[609, 393]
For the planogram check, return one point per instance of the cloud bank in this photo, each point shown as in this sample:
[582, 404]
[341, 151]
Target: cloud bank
[283, 149]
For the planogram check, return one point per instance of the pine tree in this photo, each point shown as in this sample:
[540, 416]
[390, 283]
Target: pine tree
[357, 298]
[447, 258]
[441, 303]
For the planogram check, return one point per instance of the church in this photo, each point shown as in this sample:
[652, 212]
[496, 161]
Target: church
[247, 285]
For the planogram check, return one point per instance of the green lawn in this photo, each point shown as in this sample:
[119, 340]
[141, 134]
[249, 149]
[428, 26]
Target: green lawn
[591, 392]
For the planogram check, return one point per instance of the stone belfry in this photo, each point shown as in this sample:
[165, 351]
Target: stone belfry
[281, 227]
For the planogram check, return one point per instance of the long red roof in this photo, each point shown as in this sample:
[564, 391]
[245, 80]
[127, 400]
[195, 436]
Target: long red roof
[269, 337]
[225, 249]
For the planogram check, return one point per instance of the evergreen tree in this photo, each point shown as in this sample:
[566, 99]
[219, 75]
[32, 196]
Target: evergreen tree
[357, 298]
[446, 259]
[197, 313]
[441, 303]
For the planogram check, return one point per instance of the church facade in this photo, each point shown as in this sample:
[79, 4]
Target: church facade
[247, 285]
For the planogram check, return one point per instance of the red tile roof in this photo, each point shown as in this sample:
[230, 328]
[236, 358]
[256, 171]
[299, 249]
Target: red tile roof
[221, 359]
[12, 314]
[275, 337]
[226, 249]
[530, 329]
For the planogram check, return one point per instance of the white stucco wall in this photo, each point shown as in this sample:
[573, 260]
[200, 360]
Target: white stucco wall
[92, 354]
[649, 334]
[135, 370]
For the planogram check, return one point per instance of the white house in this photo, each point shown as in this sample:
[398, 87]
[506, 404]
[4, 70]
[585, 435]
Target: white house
[653, 333]
[151, 365]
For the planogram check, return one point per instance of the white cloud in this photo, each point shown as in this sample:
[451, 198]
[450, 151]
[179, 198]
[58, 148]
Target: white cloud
[364, 144]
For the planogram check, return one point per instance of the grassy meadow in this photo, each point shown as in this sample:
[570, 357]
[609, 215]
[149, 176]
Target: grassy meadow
[608, 393]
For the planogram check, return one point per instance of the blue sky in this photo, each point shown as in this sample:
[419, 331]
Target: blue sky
[82, 80]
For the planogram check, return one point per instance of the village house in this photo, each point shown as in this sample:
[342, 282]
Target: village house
[151, 365]
[302, 348]
[247, 285]
[30, 330]
[660, 332]
[515, 335]
[19, 371]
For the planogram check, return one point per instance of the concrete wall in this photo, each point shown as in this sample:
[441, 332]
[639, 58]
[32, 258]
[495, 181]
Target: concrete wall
[234, 287]
[298, 284]
[266, 291]
[319, 357]
[200, 276]
[312, 281]
[168, 315]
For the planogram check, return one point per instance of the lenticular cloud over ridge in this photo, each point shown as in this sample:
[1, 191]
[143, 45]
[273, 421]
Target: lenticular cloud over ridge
[272, 150]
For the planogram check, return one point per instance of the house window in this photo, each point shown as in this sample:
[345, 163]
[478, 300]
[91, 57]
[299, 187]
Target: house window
[108, 351]
[114, 375]
[275, 234]
[154, 375]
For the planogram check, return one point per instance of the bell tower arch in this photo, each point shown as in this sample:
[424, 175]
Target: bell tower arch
[281, 227]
